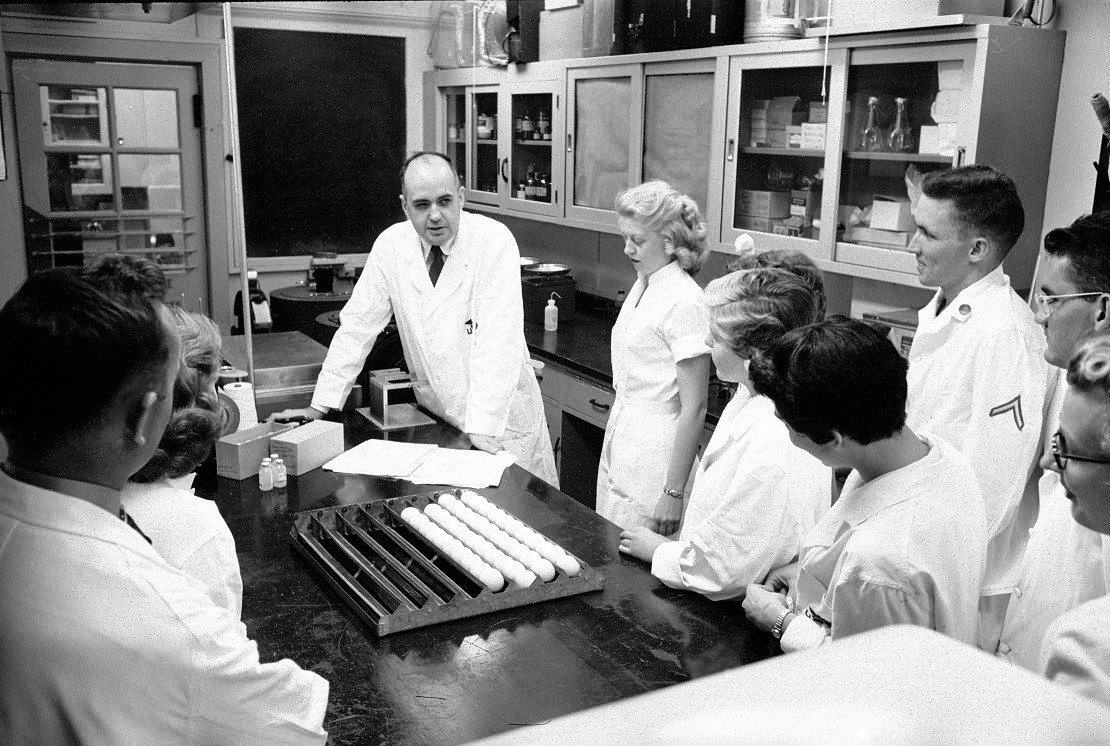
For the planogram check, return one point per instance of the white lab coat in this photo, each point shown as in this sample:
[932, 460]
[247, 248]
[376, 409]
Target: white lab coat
[755, 498]
[905, 548]
[103, 642]
[663, 322]
[978, 379]
[1076, 651]
[464, 336]
[1065, 565]
[189, 532]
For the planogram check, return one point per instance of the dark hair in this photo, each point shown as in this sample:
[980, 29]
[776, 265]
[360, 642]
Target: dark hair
[69, 349]
[123, 274]
[196, 421]
[1086, 245]
[841, 375]
[750, 309]
[986, 202]
[426, 155]
[792, 261]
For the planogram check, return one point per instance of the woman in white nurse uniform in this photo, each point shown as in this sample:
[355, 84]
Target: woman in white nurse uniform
[660, 363]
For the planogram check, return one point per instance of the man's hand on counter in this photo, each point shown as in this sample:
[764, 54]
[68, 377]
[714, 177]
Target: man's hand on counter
[485, 443]
[295, 415]
[641, 543]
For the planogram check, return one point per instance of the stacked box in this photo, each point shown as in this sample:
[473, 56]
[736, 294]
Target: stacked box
[239, 454]
[892, 214]
[804, 203]
[813, 136]
[764, 204]
[818, 112]
[309, 446]
[758, 134]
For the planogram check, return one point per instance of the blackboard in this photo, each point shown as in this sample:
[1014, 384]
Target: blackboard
[322, 139]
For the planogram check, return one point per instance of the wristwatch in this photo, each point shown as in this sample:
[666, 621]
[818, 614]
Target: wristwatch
[673, 493]
[777, 630]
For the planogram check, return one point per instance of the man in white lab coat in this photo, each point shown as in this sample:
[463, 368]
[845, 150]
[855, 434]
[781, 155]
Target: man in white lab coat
[977, 374]
[101, 640]
[1065, 563]
[452, 280]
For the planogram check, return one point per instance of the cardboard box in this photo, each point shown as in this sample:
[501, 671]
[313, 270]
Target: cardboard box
[871, 13]
[762, 204]
[813, 136]
[776, 137]
[750, 223]
[792, 226]
[928, 140]
[239, 455]
[879, 237]
[794, 137]
[892, 214]
[309, 446]
[818, 112]
[804, 203]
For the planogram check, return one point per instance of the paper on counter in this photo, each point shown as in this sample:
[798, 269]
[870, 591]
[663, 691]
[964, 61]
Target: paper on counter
[474, 469]
[382, 458]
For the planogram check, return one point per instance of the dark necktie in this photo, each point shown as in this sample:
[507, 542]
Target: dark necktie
[437, 264]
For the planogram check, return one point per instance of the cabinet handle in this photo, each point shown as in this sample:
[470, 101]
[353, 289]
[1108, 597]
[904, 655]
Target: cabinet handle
[570, 141]
[958, 158]
[504, 176]
[599, 406]
[731, 149]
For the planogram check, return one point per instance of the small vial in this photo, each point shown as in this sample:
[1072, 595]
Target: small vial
[265, 476]
[281, 478]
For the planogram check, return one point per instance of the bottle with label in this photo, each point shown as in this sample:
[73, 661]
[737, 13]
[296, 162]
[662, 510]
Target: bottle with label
[551, 314]
[281, 477]
[542, 192]
[521, 191]
[543, 124]
[530, 183]
[527, 126]
[265, 476]
[518, 127]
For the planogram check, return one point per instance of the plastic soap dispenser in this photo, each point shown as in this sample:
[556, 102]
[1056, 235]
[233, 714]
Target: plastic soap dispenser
[551, 314]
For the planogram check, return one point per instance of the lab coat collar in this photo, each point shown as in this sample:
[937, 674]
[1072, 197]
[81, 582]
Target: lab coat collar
[964, 304]
[59, 512]
[454, 271]
[665, 273]
[859, 502]
[444, 247]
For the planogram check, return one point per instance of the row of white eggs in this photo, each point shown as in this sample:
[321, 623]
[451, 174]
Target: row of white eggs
[453, 548]
[520, 531]
[502, 540]
[518, 573]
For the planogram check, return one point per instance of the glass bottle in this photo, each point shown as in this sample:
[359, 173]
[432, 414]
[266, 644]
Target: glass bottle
[872, 139]
[527, 126]
[530, 183]
[542, 192]
[265, 476]
[901, 137]
[521, 191]
[281, 476]
[518, 127]
[542, 125]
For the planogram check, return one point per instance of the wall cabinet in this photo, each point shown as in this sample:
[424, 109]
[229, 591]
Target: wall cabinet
[785, 141]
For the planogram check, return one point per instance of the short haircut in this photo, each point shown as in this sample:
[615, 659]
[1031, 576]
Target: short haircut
[842, 375]
[70, 348]
[1086, 245]
[986, 202]
[750, 309]
[427, 156]
[1089, 372]
[196, 421]
[793, 261]
[124, 274]
[659, 208]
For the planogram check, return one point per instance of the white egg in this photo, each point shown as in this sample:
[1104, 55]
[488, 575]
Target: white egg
[549, 552]
[568, 566]
[409, 513]
[542, 567]
[523, 578]
[446, 499]
[490, 578]
[433, 510]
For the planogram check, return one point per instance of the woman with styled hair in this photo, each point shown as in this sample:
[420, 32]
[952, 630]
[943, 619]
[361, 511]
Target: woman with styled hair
[188, 531]
[755, 495]
[660, 363]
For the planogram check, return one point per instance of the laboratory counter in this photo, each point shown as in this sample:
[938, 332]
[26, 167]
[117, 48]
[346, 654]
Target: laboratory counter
[583, 347]
[461, 680]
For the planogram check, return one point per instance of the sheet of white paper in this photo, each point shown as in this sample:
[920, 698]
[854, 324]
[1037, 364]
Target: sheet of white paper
[474, 469]
[381, 458]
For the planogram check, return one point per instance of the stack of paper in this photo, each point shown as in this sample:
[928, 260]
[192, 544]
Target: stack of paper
[423, 464]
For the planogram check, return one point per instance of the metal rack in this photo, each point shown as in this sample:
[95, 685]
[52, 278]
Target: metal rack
[395, 580]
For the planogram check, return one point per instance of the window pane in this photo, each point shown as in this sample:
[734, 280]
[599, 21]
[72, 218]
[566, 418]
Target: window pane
[80, 181]
[602, 109]
[150, 182]
[146, 119]
[73, 115]
[678, 110]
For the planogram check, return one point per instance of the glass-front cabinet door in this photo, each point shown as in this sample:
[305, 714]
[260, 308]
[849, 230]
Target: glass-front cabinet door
[783, 111]
[483, 181]
[909, 111]
[532, 138]
[603, 139]
[457, 131]
[678, 135]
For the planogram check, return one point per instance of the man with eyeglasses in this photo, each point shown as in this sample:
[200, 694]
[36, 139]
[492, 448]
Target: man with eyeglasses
[977, 374]
[1064, 563]
[1076, 649]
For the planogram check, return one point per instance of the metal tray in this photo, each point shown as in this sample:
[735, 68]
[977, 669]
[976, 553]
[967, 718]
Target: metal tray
[548, 269]
[395, 580]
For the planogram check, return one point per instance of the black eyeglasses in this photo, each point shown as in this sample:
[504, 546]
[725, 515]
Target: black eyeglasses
[1061, 456]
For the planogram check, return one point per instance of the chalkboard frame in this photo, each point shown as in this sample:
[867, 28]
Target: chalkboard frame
[322, 132]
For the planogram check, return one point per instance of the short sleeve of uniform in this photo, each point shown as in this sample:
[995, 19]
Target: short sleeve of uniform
[685, 330]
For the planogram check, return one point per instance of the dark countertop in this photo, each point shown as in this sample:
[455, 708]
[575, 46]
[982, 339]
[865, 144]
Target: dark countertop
[583, 346]
[462, 680]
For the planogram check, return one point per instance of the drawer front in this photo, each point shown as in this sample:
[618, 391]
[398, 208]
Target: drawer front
[591, 401]
[552, 381]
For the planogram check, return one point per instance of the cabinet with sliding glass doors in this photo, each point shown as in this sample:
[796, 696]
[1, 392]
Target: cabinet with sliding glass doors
[531, 144]
[784, 115]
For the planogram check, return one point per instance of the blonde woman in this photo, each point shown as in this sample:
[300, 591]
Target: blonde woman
[660, 363]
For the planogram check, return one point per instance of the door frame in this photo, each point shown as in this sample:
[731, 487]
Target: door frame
[207, 56]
